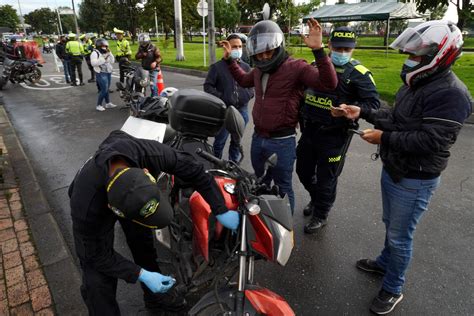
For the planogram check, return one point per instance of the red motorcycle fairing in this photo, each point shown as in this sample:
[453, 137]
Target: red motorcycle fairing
[267, 302]
[263, 243]
[200, 212]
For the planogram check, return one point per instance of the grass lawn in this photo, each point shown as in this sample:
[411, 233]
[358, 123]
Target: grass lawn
[385, 67]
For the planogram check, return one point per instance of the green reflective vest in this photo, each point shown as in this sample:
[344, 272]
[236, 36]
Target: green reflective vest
[123, 48]
[74, 48]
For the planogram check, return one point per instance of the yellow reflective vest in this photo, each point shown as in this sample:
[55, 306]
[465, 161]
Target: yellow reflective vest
[74, 48]
[123, 48]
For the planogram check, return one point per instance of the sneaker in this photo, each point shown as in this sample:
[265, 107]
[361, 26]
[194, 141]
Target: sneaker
[308, 209]
[315, 225]
[100, 108]
[91, 80]
[385, 302]
[81, 83]
[110, 105]
[368, 265]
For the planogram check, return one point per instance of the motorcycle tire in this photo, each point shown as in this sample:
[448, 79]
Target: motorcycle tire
[35, 76]
[211, 310]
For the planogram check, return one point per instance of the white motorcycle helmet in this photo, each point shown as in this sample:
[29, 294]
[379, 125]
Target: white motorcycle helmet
[168, 92]
[438, 42]
[144, 39]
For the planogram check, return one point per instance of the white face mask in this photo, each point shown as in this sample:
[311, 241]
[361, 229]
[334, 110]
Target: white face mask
[411, 63]
[236, 53]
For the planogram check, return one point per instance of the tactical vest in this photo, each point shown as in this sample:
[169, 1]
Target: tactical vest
[316, 107]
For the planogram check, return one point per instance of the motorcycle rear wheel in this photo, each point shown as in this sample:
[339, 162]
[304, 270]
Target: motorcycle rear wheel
[35, 76]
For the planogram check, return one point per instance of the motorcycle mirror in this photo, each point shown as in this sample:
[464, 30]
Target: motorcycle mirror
[234, 123]
[271, 161]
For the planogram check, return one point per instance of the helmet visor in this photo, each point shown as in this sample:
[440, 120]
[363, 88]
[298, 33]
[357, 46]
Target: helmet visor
[419, 43]
[263, 42]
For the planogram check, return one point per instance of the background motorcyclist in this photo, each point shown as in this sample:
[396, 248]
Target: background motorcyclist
[117, 184]
[151, 59]
[124, 52]
[75, 51]
[324, 138]
[88, 47]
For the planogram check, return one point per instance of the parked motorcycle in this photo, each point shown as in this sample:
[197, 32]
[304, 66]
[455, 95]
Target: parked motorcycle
[17, 71]
[136, 83]
[207, 258]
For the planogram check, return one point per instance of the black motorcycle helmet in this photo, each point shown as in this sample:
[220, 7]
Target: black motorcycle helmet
[264, 36]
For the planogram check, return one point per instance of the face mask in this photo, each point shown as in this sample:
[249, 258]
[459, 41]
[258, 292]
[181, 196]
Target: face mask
[236, 53]
[340, 59]
[103, 50]
[411, 63]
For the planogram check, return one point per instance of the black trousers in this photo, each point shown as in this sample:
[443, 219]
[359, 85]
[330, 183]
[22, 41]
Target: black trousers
[318, 156]
[76, 63]
[122, 60]
[89, 65]
[98, 290]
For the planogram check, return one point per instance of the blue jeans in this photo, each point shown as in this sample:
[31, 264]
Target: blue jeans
[67, 70]
[282, 174]
[403, 205]
[154, 80]
[221, 138]
[103, 81]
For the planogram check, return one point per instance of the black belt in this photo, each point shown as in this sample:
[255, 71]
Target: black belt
[279, 133]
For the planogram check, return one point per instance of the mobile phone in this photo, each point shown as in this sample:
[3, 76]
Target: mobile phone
[357, 131]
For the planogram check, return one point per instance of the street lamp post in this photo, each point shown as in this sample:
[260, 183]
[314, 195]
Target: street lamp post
[75, 18]
[22, 20]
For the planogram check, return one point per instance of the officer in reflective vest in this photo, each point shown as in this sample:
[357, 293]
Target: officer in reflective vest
[75, 51]
[325, 139]
[123, 52]
[88, 47]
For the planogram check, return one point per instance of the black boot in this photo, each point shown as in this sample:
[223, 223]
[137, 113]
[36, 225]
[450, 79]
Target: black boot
[308, 209]
[315, 225]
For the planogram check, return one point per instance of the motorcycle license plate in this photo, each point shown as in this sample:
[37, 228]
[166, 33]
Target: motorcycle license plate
[144, 129]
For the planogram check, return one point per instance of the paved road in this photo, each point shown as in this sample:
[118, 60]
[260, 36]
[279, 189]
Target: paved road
[59, 128]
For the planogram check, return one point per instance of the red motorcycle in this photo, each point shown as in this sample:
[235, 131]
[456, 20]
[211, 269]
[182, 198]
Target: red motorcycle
[207, 259]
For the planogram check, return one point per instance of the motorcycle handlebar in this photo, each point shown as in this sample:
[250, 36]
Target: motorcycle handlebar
[219, 162]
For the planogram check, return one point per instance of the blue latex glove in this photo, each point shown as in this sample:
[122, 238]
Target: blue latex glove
[229, 219]
[156, 282]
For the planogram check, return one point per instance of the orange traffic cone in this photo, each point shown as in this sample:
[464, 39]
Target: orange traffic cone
[160, 84]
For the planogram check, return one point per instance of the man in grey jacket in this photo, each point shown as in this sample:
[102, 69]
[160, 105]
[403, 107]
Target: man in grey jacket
[219, 82]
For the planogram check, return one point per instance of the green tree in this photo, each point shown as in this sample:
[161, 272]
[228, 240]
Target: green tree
[227, 14]
[464, 8]
[93, 15]
[42, 20]
[8, 17]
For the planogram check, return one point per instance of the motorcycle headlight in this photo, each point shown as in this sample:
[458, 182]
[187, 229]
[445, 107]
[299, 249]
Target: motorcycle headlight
[144, 82]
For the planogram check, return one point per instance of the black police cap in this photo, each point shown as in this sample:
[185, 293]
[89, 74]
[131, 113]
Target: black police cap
[343, 37]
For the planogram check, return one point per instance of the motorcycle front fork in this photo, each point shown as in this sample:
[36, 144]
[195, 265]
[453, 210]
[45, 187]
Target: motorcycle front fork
[244, 278]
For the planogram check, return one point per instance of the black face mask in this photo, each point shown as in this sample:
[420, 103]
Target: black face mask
[271, 65]
[103, 50]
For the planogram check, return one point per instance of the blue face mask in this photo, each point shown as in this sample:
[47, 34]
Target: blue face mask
[411, 63]
[236, 53]
[340, 59]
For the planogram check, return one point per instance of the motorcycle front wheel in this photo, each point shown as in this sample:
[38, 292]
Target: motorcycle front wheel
[35, 75]
[212, 310]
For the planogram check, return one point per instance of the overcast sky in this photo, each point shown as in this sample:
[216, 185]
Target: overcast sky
[30, 5]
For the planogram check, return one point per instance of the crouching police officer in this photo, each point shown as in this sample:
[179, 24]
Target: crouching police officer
[117, 184]
[325, 139]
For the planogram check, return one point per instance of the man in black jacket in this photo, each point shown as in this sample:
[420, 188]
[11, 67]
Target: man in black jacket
[117, 183]
[414, 137]
[61, 53]
[220, 83]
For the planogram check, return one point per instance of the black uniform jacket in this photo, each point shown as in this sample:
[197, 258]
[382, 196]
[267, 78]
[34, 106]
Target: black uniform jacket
[93, 222]
[422, 126]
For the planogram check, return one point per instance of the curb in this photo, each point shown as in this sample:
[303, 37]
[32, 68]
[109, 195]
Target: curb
[185, 71]
[62, 275]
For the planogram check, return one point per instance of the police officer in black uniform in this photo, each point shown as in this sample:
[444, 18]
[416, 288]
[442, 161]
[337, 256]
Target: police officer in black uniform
[117, 183]
[321, 149]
